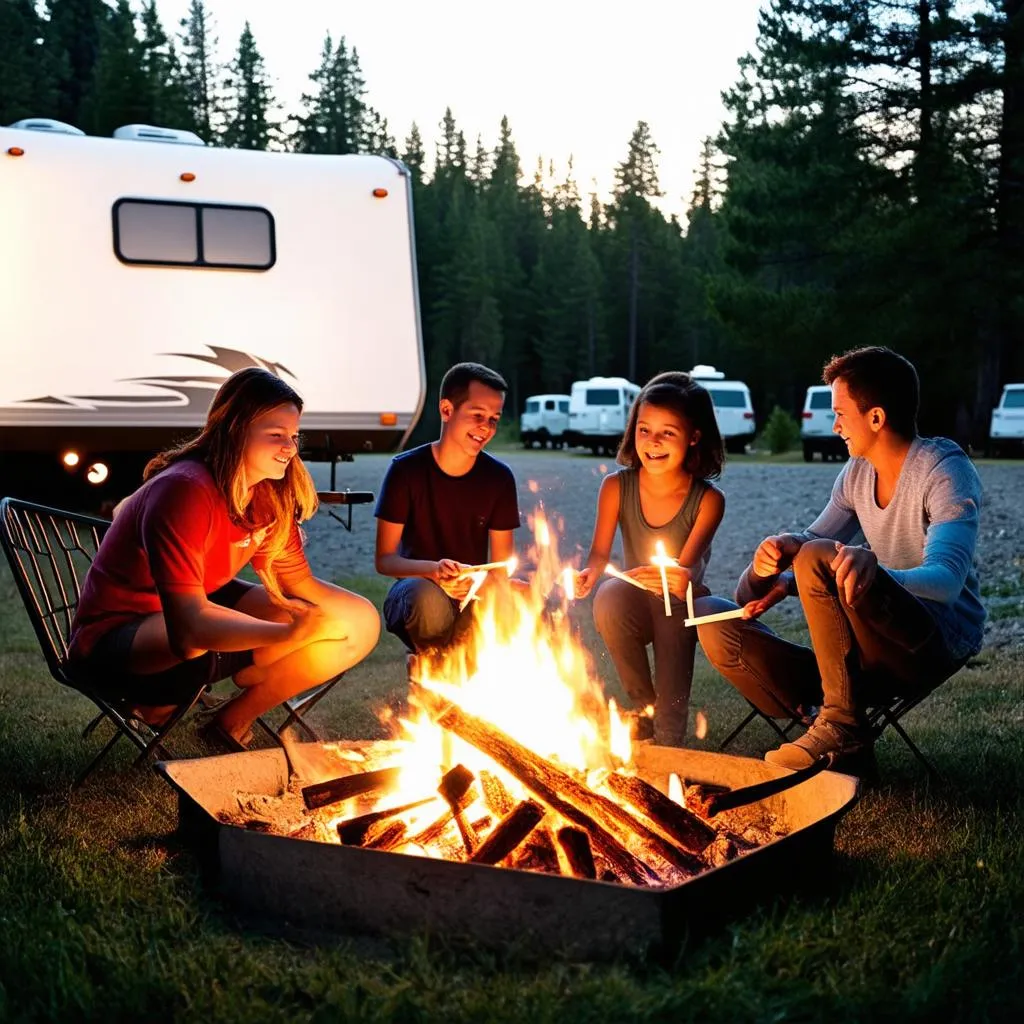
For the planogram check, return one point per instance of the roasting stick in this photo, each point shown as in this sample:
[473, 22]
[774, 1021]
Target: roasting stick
[478, 582]
[612, 571]
[661, 560]
[694, 620]
[509, 565]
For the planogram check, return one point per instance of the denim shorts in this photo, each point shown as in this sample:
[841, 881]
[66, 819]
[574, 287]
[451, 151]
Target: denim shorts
[107, 664]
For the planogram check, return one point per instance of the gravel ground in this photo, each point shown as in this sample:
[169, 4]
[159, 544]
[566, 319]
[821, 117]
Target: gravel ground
[761, 498]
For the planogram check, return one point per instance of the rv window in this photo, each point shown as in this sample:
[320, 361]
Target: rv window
[728, 399]
[549, 405]
[563, 406]
[166, 233]
[236, 237]
[603, 396]
[156, 233]
[1014, 399]
[533, 406]
[821, 399]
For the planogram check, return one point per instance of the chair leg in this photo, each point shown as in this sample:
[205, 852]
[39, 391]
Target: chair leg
[933, 773]
[739, 728]
[83, 775]
[90, 728]
[155, 745]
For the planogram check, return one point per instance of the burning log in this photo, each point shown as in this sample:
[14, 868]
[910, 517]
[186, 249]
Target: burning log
[575, 844]
[354, 831]
[496, 796]
[462, 792]
[385, 835]
[333, 791]
[509, 833]
[538, 853]
[675, 821]
[598, 815]
[454, 786]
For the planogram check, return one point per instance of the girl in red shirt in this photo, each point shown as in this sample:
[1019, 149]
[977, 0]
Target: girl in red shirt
[162, 612]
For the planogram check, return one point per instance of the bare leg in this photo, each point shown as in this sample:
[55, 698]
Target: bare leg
[266, 686]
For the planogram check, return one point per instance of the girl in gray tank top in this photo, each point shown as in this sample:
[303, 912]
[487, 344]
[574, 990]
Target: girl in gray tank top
[670, 451]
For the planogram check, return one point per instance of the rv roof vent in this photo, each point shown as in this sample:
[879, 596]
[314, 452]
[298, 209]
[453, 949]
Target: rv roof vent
[46, 124]
[707, 372]
[150, 133]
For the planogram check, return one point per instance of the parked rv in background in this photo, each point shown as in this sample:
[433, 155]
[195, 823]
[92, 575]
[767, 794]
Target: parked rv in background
[139, 271]
[734, 410]
[545, 421]
[598, 412]
[1006, 428]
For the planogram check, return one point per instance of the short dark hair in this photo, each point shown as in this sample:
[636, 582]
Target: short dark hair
[877, 376]
[689, 400]
[455, 383]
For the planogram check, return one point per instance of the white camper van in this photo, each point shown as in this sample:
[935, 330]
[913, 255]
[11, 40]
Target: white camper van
[137, 274]
[1006, 427]
[816, 422]
[544, 421]
[598, 412]
[734, 410]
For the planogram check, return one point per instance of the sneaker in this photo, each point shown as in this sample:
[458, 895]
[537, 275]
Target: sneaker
[824, 738]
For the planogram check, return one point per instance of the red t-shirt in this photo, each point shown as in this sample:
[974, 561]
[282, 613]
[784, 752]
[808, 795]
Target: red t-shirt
[173, 535]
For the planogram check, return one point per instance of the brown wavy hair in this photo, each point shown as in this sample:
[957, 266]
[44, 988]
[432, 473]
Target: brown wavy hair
[681, 394]
[275, 504]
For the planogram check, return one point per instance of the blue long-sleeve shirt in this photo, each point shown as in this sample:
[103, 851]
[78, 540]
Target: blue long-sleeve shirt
[924, 538]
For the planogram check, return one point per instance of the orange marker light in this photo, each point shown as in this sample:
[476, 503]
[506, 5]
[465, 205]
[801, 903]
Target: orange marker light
[380, 193]
[187, 176]
[18, 151]
[389, 419]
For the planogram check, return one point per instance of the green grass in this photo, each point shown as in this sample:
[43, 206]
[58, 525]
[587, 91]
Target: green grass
[102, 914]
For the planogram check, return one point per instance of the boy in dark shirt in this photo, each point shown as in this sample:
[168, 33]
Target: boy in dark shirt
[443, 507]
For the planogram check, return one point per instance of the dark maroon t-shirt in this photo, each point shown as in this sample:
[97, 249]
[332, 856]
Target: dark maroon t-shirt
[447, 516]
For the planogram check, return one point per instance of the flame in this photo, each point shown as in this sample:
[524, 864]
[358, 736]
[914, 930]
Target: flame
[701, 725]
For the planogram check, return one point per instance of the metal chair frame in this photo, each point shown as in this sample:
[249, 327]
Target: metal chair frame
[49, 551]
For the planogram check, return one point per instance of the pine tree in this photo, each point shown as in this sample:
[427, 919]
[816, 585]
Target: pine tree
[200, 73]
[335, 118]
[162, 70]
[250, 98]
[28, 70]
[636, 183]
[72, 36]
[120, 94]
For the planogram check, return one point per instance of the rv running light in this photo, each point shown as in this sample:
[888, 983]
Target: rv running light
[187, 176]
[70, 459]
[18, 151]
[380, 193]
[388, 419]
[97, 473]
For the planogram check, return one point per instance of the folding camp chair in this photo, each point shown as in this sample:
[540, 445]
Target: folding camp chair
[792, 719]
[49, 552]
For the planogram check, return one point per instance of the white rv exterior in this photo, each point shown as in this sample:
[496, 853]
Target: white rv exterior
[136, 275]
[598, 412]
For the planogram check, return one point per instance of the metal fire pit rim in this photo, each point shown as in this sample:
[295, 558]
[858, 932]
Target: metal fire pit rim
[166, 770]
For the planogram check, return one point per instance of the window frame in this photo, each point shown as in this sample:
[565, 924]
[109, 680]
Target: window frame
[197, 207]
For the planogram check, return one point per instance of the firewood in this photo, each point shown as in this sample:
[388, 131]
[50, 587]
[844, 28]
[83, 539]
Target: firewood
[575, 844]
[609, 825]
[496, 795]
[333, 791]
[680, 824]
[385, 835]
[509, 833]
[463, 799]
[353, 832]
[454, 786]
[538, 853]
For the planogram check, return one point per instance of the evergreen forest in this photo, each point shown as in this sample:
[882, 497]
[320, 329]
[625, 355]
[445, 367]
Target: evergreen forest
[866, 187]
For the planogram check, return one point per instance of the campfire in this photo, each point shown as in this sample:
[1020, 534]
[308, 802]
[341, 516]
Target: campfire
[512, 756]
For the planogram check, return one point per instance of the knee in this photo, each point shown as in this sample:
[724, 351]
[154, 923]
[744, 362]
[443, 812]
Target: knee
[427, 607]
[610, 604]
[721, 641]
[814, 557]
[364, 623]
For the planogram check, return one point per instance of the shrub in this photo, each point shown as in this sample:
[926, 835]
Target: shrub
[781, 432]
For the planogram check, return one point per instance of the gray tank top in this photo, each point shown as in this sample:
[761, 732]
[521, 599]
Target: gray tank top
[639, 537]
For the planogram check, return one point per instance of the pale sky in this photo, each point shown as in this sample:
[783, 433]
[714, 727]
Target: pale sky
[573, 77]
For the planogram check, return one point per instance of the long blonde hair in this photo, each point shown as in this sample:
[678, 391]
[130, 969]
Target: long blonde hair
[275, 504]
